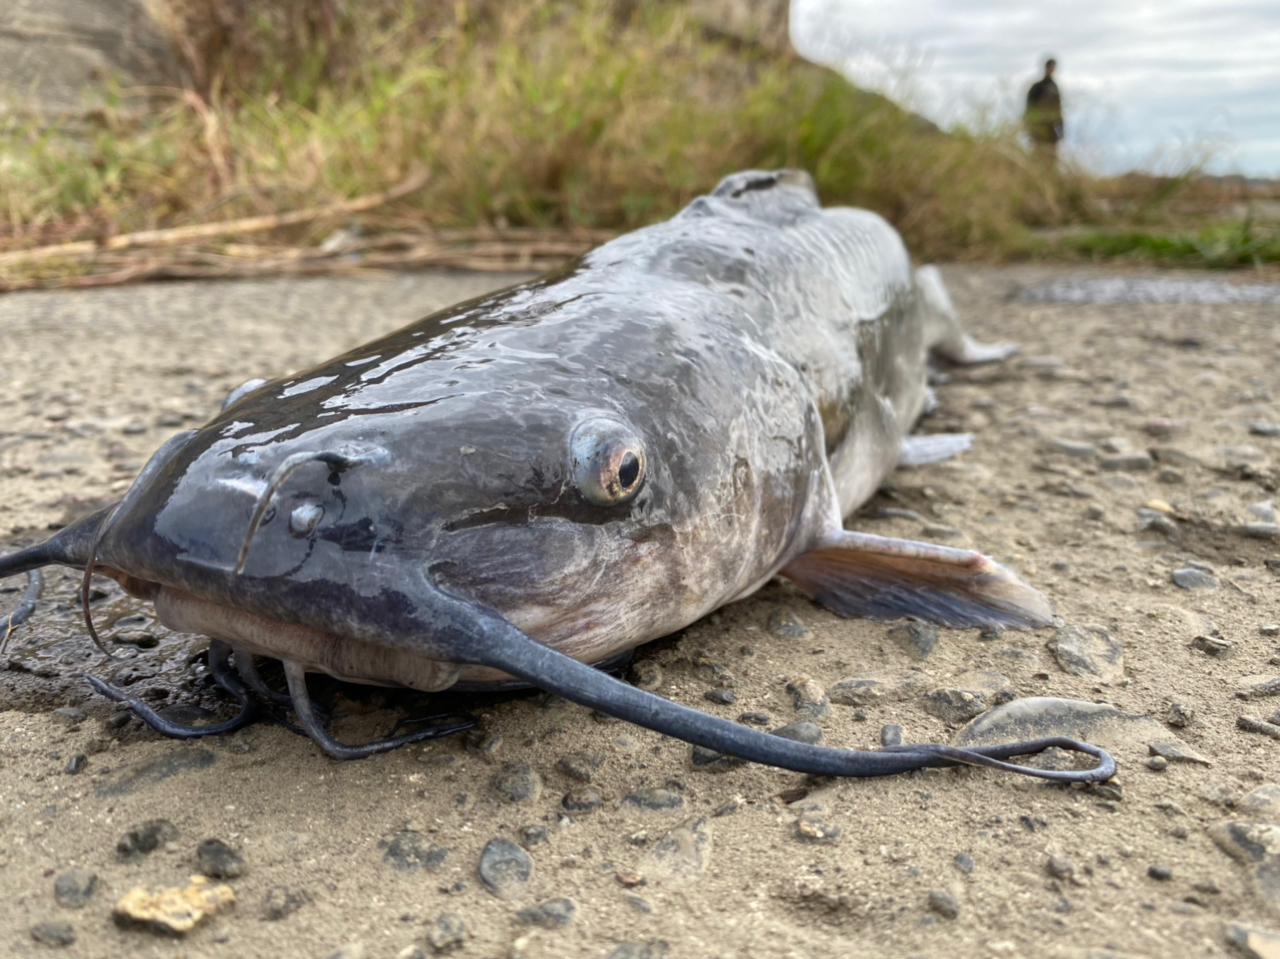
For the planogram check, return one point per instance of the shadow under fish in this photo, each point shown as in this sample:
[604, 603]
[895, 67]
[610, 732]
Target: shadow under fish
[551, 475]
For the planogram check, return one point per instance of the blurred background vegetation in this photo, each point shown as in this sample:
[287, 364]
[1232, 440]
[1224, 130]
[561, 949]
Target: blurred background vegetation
[579, 116]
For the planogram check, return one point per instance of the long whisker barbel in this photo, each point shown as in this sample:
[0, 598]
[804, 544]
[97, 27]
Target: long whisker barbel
[338, 462]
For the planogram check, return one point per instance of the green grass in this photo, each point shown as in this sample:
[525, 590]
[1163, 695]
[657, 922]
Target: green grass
[549, 113]
[1217, 245]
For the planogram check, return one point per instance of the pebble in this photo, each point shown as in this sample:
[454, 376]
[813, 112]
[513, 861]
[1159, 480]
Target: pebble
[969, 695]
[581, 766]
[646, 674]
[682, 854]
[891, 735]
[1247, 841]
[1178, 753]
[801, 732]
[1252, 942]
[1268, 531]
[352, 950]
[1160, 873]
[550, 914]
[172, 910]
[531, 836]
[1088, 651]
[1170, 475]
[74, 888]
[218, 860]
[639, 950]
[516, 783]
[1190, 578]
[815, 830]
[146, 838]
[655, 799]
[504, 867]
[756, 719]
[281, 901]
[582, 800]
[69, 715]
[943, 903]
[447, 932]
[1264, 428]
[1180, 715]
[1258, 687]
[874, 689]
[964, 862]
[917, 640]
[725, 697]
[410, 851]
[786, 625]
[76, 764]
[1138, 462]
[808, 697]
[1261, 803]
[53, 932]
[1270, 629]
[639, 903]
[1158, 763]
[1060, 867]
[1077, 448]
[1038, 717]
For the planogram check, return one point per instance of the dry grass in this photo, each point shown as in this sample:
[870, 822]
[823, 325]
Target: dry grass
[597, 114]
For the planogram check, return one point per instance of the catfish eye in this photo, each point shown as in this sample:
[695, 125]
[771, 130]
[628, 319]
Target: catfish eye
[607, 461]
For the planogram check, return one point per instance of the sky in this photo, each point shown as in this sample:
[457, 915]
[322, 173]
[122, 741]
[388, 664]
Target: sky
[1144, 85]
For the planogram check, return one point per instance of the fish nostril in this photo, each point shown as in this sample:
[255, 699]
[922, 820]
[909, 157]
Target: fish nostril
[304, 519]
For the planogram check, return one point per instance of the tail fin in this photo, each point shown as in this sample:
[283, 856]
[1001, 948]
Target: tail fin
[943, 334]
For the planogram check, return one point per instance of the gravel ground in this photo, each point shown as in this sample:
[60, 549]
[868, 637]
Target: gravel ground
[1124, 463]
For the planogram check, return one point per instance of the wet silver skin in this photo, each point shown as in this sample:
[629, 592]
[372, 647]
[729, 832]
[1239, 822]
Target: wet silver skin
[593, 460]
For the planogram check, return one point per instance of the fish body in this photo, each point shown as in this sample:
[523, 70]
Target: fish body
[590, 461]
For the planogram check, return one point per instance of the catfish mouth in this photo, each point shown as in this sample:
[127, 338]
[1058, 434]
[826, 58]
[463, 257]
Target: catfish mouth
[342, 657]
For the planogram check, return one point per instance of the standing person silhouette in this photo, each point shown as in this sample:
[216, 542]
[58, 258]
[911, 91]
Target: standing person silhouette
[1043, 116]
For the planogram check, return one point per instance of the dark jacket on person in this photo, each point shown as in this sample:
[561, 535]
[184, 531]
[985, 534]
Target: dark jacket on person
[1043, 116]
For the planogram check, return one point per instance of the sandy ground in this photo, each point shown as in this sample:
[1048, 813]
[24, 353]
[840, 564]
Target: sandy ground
[945, 863]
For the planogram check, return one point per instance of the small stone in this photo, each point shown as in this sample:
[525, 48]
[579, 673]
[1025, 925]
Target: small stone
[582, 800]
[875, 689]
[786, 625]
[808, 697]
[891, 735]
[725, 697]
[1160, 873]
[483, 742]
[281, 901]
[581, 766]
[352, 950]
[755, 719]
[1270, 629]
[943, 903]
[1088, 651]
[447, 932]
[639, 950]
[1245, 841]
[1170, 475]
[69, 715]
[639, 903]
[802, 732]
[1158, 764]
[917, 640]
[516, 783]
[504, 867]
[550, 914]
[970, 695]
[145, 838]
[53, 932]
[1214, 646]
[76, 764]
[1060, 867]
[655, 799]
[1268, 531]
[1262, 803]
[964, 862]
[630, 878]
[711, 761]
[1180, 715]
[682, 854]
[1177, 752]
[1076, 448]
[218, 860]
[814, 830]
[646, 674]
[1258, 687]
[1252, 942]
[1138, 462]
[531, 836]
[174, 910]
[1190, 578]
[410, 851]
[74, 888]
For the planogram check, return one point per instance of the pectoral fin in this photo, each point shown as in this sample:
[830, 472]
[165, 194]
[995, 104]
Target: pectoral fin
[873, 577]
